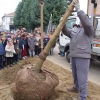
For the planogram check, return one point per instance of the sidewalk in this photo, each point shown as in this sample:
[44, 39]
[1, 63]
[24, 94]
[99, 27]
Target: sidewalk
[57, 59]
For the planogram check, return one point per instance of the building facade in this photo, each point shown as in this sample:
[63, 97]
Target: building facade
[96, 14]
[7, 22]
[90, 10]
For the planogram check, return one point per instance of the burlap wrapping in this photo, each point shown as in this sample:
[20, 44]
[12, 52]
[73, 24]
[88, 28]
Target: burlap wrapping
[30, 87]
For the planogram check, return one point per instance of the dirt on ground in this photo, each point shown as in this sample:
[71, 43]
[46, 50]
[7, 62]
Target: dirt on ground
[7, 77]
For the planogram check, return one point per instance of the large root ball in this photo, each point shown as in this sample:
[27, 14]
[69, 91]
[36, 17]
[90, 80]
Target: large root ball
[32, 85]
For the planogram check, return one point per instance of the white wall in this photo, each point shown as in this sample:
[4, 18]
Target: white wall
[6, 23]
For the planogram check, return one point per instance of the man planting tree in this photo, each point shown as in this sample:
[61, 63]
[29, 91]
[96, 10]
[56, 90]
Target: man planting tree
[80, 52]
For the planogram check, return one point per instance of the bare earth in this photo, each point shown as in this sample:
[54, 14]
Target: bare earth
[7, 77]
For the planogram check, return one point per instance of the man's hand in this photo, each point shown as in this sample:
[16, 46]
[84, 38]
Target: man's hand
[61, 18]
[77, 5]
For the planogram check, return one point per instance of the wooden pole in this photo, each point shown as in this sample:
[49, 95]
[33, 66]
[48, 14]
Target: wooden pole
[41, 14]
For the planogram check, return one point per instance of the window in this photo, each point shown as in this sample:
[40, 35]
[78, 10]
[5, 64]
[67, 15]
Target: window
[11, 20]
[70, 22]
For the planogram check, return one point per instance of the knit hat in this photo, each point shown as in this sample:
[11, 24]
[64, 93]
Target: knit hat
[9, 39]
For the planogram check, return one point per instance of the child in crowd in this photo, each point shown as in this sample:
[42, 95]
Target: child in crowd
[23, 46]
[16, 47]
[9, 52]
[46, 39]
[37, 36]
[31, 44]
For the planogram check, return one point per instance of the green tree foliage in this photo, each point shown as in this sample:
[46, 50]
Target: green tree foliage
[17, 16]
[69, 1]
[25, 21]
[58, 9]
[27, 13]
[35, 13]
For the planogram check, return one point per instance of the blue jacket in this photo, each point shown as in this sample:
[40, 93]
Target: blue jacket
[22, 42]
[46, 40]
[2, 51]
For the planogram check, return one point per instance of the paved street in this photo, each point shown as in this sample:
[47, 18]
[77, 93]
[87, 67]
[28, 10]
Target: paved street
[94, 72]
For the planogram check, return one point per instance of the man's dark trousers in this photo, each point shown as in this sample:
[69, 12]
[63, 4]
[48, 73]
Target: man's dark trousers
[80, 68]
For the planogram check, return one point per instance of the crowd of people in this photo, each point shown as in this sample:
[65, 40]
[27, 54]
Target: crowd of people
[20, 45]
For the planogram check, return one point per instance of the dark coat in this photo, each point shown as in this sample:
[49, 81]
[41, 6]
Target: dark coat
[2, 51]
[22, 42]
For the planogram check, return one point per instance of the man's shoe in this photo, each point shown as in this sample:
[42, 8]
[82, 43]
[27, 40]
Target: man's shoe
[75, 99]
[17, 62]
[72, 90]
[23, 58]
[8, 66]
[13, 63]
[59, 53]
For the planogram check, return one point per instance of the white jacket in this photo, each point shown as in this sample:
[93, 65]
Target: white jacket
[37, 41]
[9, 50]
